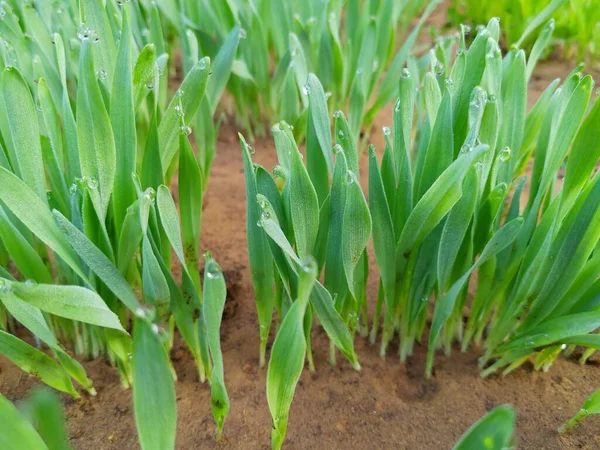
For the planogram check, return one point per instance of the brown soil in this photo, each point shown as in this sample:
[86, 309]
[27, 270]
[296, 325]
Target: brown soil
[385, 405]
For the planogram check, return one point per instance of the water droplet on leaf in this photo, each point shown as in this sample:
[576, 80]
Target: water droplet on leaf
[92, 183]
[505, 154]
[350, 177]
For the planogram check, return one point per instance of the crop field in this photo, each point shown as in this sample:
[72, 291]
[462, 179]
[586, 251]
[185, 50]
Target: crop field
[323, 224]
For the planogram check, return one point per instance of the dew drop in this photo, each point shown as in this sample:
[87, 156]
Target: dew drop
[306, 89]
[266, 215]
[337, 114]
[140, 313]
[83, 33]
[5, 287]
[185, 130]
[505, 154]
[341, 134]
[243, 34]
[150, 85]
[279, 172]
[449, 82]
[492, 98]
[179, 111]
[350, 177]
[213, 272]
[308, 265]
[92, 183]
[155, 328]
[439, 68]
[466, 148]
[202, 64]
[405, 73]
[150, 194]
[101, 74]
[251, 149]
[337, 148]
[263, 202]
[73, 189]
[386, 131]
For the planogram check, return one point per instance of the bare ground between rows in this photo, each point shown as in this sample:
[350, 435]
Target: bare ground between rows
[385, 405]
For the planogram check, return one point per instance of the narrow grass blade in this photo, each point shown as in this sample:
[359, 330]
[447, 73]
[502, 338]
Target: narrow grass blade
[98, 263]
[153, 390]
[17, 432]
[23, 133]
[34, 213]
[589, 407]
[71, 302]
[36, 363]
[494, 431]
[45, 409]
[95, 135]
[214, 301]
[287, 357]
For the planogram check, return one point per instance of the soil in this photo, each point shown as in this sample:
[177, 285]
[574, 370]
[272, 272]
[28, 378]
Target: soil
[385, 405]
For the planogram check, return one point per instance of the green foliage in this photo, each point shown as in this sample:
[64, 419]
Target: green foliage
[89, 136]
[590, 406]
[468, 210]
[576, 22]
[494, 431]
[39, 423]
[348, 45]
